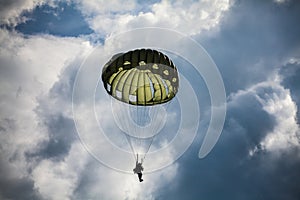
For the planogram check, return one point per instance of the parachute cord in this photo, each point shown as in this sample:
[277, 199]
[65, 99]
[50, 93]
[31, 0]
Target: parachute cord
[152, 139]
[127, 128]
[132, 149]
[142, 160]
[138, 133]
[145, 112]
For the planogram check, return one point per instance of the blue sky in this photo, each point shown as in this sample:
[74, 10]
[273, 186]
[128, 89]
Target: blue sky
[256, 47]
[63, 20]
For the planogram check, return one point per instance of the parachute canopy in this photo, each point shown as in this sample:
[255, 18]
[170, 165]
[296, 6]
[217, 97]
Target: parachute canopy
[142, 77]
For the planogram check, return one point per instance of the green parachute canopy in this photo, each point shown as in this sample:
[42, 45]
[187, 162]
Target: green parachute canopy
[141, 77]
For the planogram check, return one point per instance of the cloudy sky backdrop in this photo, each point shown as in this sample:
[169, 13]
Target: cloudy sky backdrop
[256, 46]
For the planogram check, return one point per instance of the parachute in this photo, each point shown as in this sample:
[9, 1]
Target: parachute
[140, 83]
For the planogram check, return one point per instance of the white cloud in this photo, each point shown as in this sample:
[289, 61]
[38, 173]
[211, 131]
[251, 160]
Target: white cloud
[99, 7]
[293, 60]
[33, 70]
[106, 17]
[104, 183]
[28, 69]
[286, 132]
[101, 179]
[10, 11]
[281, 1]
[189, 17]
[277, 102]
[65, 176]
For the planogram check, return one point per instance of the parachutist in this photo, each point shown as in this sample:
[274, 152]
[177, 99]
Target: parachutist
[143, 79]
[138, 168]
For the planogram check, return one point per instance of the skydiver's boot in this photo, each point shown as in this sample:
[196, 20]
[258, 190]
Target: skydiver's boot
[140, 177]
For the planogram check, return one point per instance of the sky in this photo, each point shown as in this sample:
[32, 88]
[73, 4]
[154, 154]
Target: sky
[45, 45]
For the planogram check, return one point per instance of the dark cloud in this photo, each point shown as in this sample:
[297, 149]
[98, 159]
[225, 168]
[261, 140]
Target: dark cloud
[10, 11]
[5, 5]
[62, 134]
[52, 111]
[221, 176]
[254, 37]
[87, 180]
[18, 188]
[229, 172]
[248, 113]
[14, 186]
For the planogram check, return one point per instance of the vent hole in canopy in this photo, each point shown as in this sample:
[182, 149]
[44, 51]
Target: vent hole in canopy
[108, 87]
[132, 98]
[119, 94]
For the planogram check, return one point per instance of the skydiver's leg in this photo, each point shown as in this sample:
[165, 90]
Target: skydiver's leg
[140, 176]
